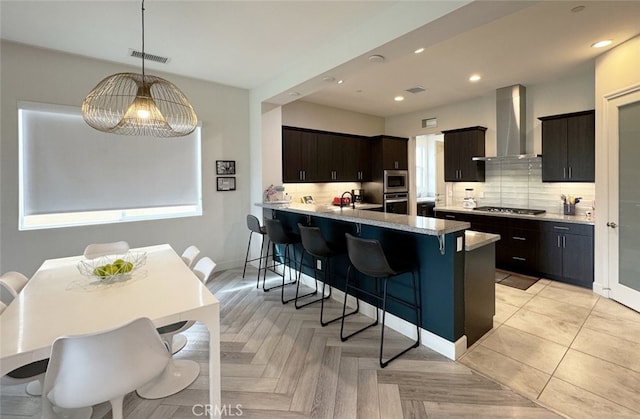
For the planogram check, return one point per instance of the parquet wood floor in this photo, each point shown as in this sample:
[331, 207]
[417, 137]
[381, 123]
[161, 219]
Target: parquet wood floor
[278, 362]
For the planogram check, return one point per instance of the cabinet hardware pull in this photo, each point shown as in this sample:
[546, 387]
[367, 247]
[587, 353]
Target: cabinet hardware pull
[564, 242]
[519, 238]
[559, 241]
[564, 173]
[570, 172]
[304, 175]
[518, 258]
[450, 216]
[560, 228]
[612, 224]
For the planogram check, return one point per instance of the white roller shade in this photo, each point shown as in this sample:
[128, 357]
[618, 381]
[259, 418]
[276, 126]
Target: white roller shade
[67, 167]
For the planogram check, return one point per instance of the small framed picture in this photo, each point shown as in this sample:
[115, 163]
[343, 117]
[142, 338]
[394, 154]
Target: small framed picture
[307, 199]
[225, 167]
[226, 184]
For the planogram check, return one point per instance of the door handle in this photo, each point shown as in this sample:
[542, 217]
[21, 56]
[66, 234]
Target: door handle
[612, 224]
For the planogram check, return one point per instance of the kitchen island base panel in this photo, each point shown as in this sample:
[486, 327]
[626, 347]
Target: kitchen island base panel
[452, 350]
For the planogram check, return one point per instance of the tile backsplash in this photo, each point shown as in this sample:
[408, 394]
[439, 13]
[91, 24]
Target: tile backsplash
[322, 193]
[518, 184]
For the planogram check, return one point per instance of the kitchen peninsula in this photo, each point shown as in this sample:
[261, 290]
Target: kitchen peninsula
[443, 252]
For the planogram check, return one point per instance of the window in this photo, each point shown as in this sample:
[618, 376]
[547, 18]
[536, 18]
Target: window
[426, 165]
[71, 174]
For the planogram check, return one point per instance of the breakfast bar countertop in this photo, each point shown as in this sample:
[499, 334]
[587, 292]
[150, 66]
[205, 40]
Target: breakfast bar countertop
[476, 239]
[414, 224]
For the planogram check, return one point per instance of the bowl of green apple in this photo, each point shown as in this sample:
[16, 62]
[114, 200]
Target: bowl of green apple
[112, 268]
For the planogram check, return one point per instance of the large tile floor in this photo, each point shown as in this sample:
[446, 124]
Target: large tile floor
[566, 347]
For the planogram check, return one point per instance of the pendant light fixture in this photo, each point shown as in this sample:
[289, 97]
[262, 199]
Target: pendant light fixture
[139, 104]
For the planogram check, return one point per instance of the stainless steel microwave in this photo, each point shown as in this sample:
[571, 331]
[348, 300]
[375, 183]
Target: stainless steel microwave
[396, 181]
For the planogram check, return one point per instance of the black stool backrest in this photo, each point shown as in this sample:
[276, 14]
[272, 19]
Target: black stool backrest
[367, 256]
[313, 242]
[276, 233]
[254, 224]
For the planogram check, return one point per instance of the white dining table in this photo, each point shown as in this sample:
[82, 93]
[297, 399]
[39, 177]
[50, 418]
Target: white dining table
[59, 301]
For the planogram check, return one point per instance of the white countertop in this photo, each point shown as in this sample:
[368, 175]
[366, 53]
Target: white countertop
[414, 224]
[578, 219]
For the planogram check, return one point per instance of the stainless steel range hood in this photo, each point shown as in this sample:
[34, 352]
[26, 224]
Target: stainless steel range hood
[511, 139]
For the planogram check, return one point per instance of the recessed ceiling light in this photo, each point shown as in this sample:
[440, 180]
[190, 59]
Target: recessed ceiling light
[329, 79]
[376, 58]
[474, 77]
[398, 98]
[340, 81]
[418, 51]
[295, 94]
[602, 44]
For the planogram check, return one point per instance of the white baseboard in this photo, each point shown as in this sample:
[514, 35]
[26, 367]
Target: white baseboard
[432, 341]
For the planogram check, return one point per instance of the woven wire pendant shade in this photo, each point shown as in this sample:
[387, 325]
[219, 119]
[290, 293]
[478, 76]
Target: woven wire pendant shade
[136, 104]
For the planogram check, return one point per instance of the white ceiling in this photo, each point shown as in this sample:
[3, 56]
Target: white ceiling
[247, 44]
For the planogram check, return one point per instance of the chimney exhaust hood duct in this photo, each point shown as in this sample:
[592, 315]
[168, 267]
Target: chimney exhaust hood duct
[511, 140]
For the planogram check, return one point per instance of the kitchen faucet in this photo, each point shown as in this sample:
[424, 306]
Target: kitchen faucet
[353, 201]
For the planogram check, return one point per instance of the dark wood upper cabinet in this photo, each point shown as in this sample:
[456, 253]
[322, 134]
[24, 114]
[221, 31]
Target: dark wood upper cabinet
[299, 155]
[389, 153]
[321, 156]
[460, 146]
[568, 147]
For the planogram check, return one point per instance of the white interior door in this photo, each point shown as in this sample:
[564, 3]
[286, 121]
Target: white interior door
[622, 120]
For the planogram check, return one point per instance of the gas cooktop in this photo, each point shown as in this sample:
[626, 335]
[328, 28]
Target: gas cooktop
[505, 210]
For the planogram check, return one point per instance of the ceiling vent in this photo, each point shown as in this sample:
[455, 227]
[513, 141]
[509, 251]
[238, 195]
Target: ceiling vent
[148, 57]
[430, 123]
[417, 89]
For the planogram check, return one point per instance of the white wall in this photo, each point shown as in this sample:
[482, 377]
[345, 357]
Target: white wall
[310, 115]
[615, 70]
[39, 75]
[572, 93]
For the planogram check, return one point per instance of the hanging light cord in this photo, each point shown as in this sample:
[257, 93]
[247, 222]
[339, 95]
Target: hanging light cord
[143, 41]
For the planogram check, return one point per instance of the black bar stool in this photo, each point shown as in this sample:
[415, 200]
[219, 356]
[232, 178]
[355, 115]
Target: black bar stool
[253, 224]
[278, 236]
[314, 244]
[368, 258]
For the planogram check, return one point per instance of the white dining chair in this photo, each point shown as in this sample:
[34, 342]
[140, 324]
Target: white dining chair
[95, 368]
[11, 283]
[96, 250]
[204, 268]
[190, 254]
[180, 373]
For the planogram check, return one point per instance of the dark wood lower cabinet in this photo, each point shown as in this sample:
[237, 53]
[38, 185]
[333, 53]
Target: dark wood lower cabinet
[566, 253]
[554, 250]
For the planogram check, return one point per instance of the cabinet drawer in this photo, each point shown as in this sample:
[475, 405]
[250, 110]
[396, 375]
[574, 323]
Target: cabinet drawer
[519, 238]
[521, 259]
[569, 228]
